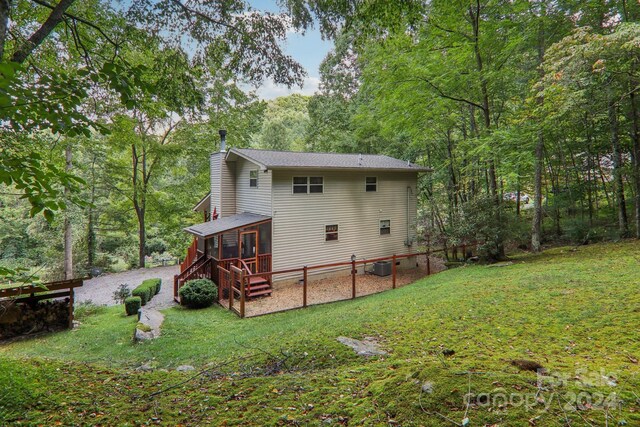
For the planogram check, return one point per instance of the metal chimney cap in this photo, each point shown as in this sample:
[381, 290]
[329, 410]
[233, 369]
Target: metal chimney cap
[222, 132]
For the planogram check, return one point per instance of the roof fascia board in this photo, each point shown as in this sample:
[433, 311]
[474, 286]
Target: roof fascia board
[244, 156]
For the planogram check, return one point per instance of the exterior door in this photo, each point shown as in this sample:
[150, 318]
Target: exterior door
[249, 249]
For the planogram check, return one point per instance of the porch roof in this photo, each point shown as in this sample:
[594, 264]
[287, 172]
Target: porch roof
[227, 223]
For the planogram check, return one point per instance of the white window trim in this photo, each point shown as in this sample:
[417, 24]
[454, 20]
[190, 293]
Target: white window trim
[365, 184]
[308, 184]
[380, 227]
[324, 232]
[257, 171]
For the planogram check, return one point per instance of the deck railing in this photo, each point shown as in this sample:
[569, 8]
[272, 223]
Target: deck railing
[238, 280]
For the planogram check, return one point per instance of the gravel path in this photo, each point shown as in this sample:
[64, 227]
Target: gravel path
[100, 289]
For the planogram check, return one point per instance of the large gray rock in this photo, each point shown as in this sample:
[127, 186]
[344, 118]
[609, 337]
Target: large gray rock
[367, 347]
[148, 327]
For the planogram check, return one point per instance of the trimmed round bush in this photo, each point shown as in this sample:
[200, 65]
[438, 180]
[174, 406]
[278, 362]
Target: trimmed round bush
[198, 293]
[132, 305]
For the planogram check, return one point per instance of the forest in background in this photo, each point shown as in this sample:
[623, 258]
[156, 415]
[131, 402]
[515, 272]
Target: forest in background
[527, 111]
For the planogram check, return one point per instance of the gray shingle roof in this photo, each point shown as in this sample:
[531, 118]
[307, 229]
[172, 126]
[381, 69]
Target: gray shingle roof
[220, 225]
[296, 159]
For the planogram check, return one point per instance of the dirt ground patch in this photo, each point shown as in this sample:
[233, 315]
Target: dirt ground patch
[99, 290]
[287, 296]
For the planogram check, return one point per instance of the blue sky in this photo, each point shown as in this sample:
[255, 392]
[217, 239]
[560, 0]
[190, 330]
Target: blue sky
[308, 49]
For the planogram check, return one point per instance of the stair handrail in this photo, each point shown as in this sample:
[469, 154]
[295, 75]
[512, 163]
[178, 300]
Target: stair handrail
[248, 272]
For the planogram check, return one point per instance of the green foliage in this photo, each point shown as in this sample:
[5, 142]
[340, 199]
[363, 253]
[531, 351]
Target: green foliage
[153, 284]
[145, 293]
[199, 293]
[488, 316]
[132, 305]
[285, 124]
[86, 309]
[122, 293]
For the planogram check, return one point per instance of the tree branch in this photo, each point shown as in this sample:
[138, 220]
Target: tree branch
[55, 17]
[77, 18]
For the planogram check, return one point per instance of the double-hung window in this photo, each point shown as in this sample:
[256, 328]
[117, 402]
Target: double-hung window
[371, 184]
[253, 178]
[385, 226]
[330, 232]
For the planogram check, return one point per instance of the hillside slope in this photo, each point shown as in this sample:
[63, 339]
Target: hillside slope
[574, 311]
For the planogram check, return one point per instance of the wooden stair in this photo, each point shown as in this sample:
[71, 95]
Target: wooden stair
[258, 287]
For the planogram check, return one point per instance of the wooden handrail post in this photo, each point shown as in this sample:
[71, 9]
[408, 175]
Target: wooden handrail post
[353, 279]
[242, 296]
[393, 272]
[304, 286]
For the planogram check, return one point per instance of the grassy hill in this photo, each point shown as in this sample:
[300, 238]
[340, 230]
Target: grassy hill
[575, 311]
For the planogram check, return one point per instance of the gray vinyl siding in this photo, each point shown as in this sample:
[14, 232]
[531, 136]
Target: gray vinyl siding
[228, 170]
[252, 199]
[215, 181]
[299, 219]
[223, 195]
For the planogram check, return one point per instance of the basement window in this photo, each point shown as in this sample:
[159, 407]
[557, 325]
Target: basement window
[253, 178]
[385, 226]
[371, 183]
[330, 232]
[308, 184]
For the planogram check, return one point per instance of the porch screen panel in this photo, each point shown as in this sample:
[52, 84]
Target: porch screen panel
[230, 245]
[264, 231]
[212, 246]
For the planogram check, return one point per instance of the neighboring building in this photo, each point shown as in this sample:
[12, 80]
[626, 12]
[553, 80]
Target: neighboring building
[279, 210]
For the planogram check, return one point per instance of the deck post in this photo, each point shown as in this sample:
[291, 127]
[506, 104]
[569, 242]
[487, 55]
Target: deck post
[232, 277]
[304, 286]
[217, 269]
[242, 296]
[428, 264]
[353, 279]
[71, 301]
[175, 287]
[393, 271]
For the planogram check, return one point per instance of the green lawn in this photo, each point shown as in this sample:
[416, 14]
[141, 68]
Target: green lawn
[575, 311]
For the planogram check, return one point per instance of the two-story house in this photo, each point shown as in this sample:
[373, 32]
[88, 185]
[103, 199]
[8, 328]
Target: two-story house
[277, 210]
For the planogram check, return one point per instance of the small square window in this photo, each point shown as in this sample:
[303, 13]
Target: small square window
[385, 226]
[331, 232]
[371, 183]
[300, 184]
[253, 178]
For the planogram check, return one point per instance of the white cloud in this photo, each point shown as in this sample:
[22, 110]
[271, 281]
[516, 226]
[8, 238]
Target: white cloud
[270, 90]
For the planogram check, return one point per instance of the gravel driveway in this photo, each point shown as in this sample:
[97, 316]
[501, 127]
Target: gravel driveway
[100, 289]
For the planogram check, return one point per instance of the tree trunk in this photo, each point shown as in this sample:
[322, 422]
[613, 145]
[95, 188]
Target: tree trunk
[68, 237]
[536, 223]
[623, 223]
[635, 137]
[5, 6]
[91, 233]
[55, 17]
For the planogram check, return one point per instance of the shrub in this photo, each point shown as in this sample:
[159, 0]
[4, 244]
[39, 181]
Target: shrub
[132, 305]
[142, 292]
[122, 293]
[198, 293]
[154, 284]
[85, 309]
